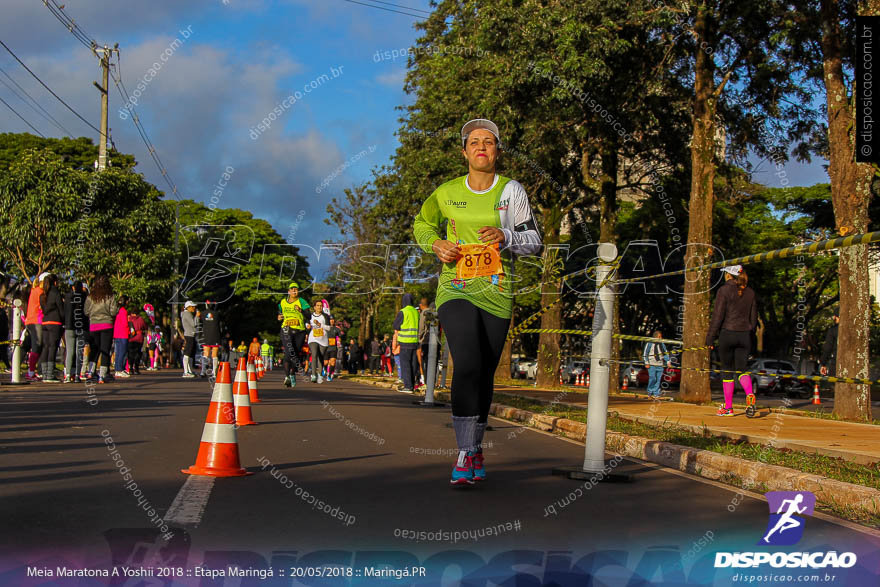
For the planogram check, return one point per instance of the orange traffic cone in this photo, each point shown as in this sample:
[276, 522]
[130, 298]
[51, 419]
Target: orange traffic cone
[579, 382]
[241, 393]
[625, 384]
[218, 450]
[259, 367]
[587, 380]
[816, 400]
[252, 384]
[560, 378]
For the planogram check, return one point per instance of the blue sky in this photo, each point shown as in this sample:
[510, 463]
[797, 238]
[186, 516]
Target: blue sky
[241, 60]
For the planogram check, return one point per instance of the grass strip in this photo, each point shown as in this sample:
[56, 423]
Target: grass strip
[831, 467]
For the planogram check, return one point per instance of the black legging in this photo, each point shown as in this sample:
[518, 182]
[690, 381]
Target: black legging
[292, 341]
[734, 347]
[476, 341]
[103, 340]
[51, 336]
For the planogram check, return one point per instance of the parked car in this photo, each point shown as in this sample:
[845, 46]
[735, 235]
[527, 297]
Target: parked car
[630, 373]
[671, 375]
[572, 369]
[764, 369]
[524, 368]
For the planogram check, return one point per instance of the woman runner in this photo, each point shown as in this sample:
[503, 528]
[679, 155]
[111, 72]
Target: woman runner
[489, 220]
[292, 315]
[53, 313]
[318, 340]
[736, 315]
[101, 308]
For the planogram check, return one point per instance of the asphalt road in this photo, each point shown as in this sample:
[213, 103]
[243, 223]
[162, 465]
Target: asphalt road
[381, 466]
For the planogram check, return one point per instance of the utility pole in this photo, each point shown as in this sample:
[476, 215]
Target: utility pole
[104, 88]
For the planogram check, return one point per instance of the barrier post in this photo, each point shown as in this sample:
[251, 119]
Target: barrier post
[595, 466]
[433, 340]
[16, 336]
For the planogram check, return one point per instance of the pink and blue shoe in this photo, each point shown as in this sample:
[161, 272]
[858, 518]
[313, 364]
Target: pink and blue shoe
[463, 472]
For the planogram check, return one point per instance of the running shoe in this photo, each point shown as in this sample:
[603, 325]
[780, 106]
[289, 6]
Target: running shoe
[329, 377]
[51, 379]
[405, 390]
[463, 471]
[314, 378]
[293, 380]
[189, 376]
[722, 411]
[479, 469]
[287, 382]
[320, 379]
[750, 405]
[101, 380]
[32, 377]
[122, 374]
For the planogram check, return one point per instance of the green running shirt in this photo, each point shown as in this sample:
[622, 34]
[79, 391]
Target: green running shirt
[467, 212]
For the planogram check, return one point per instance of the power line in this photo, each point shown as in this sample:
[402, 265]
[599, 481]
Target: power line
[78, 115]
[45, 113]
[117, 80]
[70, 24]
[22, 117]
[428, 12]
[416, 16]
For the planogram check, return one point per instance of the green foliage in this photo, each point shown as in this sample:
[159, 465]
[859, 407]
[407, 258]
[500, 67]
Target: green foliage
[264, 265]
[41, 198]
[78, 153]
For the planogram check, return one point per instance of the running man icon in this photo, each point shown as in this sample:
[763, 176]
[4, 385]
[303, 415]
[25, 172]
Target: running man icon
[785, 526]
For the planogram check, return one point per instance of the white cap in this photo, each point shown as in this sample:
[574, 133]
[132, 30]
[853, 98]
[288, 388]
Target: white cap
[43, 275]
[478, 123]
[189, 304]
[733, 270]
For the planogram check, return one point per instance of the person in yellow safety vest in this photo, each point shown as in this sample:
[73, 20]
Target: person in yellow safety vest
[266, 352]
[406, 335]
[293, 314]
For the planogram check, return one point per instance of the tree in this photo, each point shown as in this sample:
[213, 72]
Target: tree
[78, 153]
[740, 87]
[822, 41]
[41, 198]
[240, 261]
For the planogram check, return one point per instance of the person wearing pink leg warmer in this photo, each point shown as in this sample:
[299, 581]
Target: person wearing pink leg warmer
[734, 318]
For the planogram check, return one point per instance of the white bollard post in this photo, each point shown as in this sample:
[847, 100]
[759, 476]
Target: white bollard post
[597, 402]
[595, 467]
[16, 336]
[433, 340]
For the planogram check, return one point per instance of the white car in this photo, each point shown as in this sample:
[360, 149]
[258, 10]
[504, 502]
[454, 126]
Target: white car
[763, 370]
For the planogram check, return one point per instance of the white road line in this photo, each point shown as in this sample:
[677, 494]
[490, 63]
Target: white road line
[189, 505]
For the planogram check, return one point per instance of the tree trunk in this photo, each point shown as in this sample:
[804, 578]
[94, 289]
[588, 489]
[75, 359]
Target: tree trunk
[694, 384]
[607, 234]
[549, 353]
[850, 195]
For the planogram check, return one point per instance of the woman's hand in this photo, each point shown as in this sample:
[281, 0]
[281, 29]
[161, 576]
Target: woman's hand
[490, 235]
[446, 251]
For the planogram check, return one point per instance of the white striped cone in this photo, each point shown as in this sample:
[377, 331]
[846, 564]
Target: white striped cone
[252, 383]
[218, 449]
[243, 416]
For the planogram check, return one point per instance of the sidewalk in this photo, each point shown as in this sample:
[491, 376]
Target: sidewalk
[859, 443]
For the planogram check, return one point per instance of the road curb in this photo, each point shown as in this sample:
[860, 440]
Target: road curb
[704, 463]
[695, 461]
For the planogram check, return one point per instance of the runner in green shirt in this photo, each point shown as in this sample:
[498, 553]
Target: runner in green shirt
[292, 315]
[488, 220]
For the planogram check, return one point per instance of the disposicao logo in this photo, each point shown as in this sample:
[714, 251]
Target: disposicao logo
[785, 528]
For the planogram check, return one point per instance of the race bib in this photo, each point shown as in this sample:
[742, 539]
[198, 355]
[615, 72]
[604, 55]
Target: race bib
[318, 332]
[293, 323]
[478, 261]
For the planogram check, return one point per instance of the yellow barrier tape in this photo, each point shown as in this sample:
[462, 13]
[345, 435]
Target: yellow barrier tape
[826, 245]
